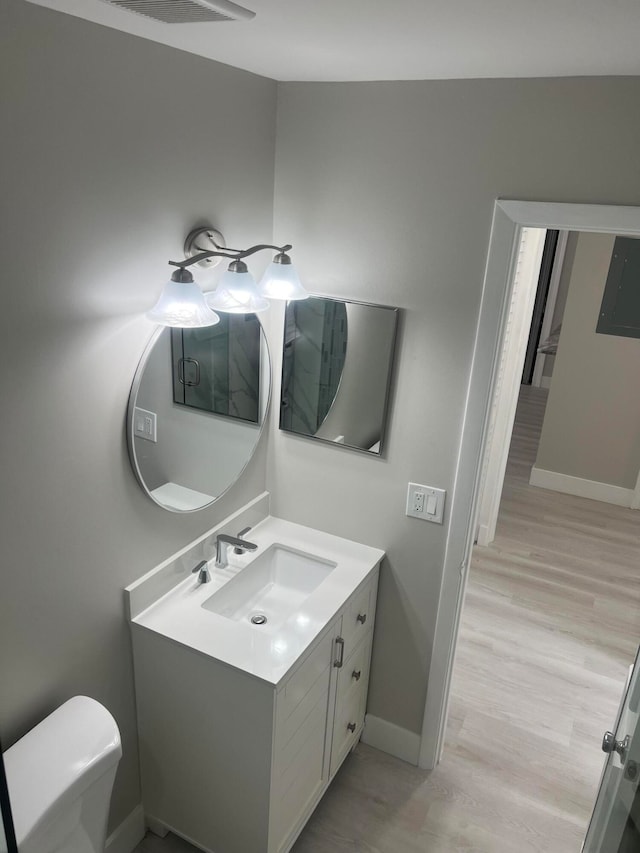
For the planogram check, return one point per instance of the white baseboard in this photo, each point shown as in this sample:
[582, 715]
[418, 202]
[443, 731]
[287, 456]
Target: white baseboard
[543, 382]
[390, 738]
[582, 488]
[126, 837]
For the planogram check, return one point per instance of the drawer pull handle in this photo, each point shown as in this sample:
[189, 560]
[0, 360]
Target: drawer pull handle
[356, 674]
[340, 659]
[362, 618]
[351, 727]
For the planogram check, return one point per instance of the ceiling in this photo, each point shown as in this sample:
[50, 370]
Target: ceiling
[403, 39]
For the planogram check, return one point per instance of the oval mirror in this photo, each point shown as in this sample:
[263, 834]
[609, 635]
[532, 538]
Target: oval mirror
[197, 406]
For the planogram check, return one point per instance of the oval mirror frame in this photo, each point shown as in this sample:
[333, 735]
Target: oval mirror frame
[163, 490]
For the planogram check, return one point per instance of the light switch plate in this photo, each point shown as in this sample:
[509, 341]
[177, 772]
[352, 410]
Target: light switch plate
[144, 424]
[425, 502]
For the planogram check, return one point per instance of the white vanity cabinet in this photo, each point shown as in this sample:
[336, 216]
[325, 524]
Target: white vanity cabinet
[236, 764]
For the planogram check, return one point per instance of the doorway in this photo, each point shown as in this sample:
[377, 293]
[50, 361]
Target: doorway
[510, 217]
[547, 633]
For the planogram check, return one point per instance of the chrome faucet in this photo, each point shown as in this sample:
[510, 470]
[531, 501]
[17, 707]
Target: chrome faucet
[240, 545]
[203, 571]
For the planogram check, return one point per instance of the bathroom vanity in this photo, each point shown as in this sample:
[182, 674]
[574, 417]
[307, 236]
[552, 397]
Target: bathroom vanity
[242, 726]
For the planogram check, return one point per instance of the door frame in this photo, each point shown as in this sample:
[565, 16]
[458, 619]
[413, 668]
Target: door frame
[549, 310]
[524, 286]
[509, 218]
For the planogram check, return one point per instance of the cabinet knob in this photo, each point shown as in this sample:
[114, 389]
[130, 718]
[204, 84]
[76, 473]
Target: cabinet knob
[356, 674]
[362, 618]
[351, 727]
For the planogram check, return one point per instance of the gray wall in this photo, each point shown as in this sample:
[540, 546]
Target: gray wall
[386, 191]
[112, 149]
[592, 420]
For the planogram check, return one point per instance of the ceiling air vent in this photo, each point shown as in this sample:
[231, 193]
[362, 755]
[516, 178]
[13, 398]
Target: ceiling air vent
[185, 11]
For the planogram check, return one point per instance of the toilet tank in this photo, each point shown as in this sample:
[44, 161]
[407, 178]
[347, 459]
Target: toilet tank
[60, 776]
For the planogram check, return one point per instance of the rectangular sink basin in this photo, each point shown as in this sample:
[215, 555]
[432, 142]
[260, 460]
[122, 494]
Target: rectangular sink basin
[273, 586]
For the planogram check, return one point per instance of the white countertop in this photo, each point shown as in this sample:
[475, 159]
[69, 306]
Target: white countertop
[268, 655]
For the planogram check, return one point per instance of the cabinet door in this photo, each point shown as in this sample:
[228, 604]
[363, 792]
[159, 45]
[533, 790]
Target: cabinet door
[351, 697]
[300, 766]
[304, 779]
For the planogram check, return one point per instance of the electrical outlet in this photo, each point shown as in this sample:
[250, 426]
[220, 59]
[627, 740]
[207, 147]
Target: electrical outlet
[425, 502]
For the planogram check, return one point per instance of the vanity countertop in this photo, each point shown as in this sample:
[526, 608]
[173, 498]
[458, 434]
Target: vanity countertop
[263, 651]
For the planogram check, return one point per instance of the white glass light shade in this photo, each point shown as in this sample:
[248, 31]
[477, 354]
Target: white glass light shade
[237, 293]
[182, 304]
[281, 281]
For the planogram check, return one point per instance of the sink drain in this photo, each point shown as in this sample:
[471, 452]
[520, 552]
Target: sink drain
[259, 619]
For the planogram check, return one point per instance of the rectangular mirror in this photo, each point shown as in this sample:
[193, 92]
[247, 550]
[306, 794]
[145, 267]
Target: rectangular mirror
[336, 371]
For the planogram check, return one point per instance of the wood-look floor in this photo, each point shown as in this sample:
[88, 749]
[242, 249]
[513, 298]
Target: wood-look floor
[550, 626]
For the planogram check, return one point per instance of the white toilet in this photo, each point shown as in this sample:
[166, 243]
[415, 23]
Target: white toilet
[60, 776]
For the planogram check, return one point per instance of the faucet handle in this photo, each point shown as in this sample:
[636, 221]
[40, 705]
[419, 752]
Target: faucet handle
[241, 535]
[203, 571]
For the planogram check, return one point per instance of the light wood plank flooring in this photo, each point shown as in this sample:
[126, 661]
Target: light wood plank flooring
[550, 626]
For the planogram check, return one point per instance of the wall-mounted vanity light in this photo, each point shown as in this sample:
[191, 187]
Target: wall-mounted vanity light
[183, 304]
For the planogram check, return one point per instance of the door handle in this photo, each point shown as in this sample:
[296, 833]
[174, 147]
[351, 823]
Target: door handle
[181, 375]
[340, 659]
[610, 744]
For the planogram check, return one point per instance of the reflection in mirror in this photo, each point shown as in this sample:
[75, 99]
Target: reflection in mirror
[217, 369]
[336, 369]
[196, 410]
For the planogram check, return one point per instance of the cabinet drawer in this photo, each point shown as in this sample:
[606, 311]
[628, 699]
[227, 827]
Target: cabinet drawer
[351, 701]
[347, 725]
[359, 615]
[355, 671]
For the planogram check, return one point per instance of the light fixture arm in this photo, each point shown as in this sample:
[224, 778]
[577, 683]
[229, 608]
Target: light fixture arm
[233, 254]
[183, 304]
